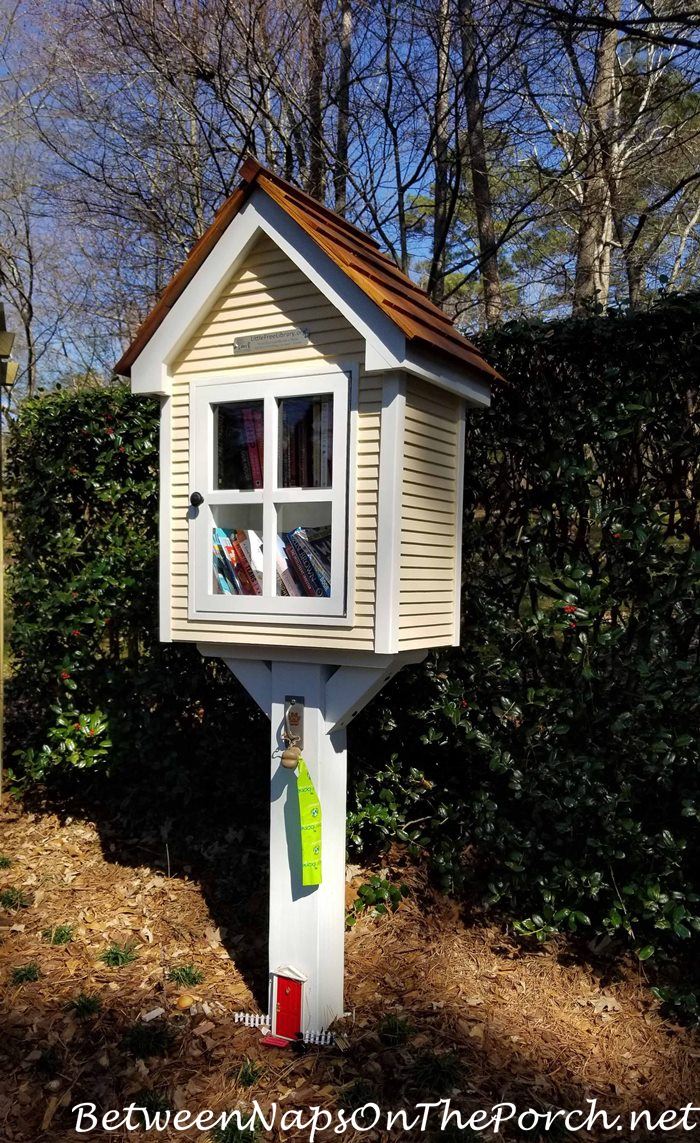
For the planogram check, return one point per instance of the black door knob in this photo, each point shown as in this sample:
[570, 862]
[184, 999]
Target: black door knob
[196, 499]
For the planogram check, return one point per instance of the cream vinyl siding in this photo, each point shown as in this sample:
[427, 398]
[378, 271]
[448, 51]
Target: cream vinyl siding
[269, 292]
[429, 525]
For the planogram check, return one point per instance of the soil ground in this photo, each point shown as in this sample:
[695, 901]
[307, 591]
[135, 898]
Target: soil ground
[483, 1019]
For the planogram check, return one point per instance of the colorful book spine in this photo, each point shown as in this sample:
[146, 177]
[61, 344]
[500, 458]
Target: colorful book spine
[316, 443]
[326, 443]
[245, 571]
[303, 455]
[258, 425]
[251, 448]
[312, 550]
[284, 575]
[223, 568]
[312, 576]
[300, 574]
[252, 551]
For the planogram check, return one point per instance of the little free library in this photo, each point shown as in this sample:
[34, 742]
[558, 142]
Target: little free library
[311, 463]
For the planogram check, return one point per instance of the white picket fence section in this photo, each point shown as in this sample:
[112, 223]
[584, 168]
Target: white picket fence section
[318, 1038]
[256, 1020]
[251, 1019]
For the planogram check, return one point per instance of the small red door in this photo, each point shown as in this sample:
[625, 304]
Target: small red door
[288, 1015]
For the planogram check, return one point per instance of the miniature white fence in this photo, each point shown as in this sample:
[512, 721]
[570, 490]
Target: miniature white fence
[256, 1020]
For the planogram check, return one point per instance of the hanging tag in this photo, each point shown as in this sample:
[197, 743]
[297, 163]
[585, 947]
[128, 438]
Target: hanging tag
[294, 720]
[310, 824]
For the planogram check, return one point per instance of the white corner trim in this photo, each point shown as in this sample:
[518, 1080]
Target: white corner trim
[164, 521]
[462, 383]
[391, 445]
[461, 438]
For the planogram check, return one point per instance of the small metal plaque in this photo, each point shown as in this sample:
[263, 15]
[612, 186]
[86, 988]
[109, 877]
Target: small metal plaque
[288, 338]
[294, 718]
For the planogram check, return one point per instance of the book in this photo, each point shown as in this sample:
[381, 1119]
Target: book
[311, 575]
[284, 575]
[307, 585]
[235, 565]
[251, 448]
[223, 570]
[303, 454]
[259, 428]
[251, 546]
[315, 543]
[244, 570]
[325, 477]
[316, 444]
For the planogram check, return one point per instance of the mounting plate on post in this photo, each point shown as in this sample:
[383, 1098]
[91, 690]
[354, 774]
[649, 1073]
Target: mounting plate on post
[294, 719]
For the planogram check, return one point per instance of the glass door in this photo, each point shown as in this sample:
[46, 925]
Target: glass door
[269, 462]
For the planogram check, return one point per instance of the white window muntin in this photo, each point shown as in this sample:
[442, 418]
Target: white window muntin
[205, 395]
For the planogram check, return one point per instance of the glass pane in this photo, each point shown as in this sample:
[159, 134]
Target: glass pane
[306, 438]
[237, 565]
[239, 445]
[304, 549]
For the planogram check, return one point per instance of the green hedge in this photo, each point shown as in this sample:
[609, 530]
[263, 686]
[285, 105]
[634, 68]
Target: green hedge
[553, 760]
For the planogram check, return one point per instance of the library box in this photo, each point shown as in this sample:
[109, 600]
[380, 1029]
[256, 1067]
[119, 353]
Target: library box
[312, 426]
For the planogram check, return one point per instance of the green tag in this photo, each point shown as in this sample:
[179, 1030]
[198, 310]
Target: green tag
[310, 818]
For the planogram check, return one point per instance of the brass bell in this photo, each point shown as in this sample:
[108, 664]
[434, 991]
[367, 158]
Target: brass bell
[290, 757]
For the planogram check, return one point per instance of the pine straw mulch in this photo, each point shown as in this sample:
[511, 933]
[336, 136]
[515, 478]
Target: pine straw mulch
[541, 1028]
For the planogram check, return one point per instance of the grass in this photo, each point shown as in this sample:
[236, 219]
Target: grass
[116, 956]
[185, 974]
[144, 1040]
[58, 935]
[85, 1005]
[25, 973]
[14, 899]
[151, 1101]
[5, 862]
[394, 1030]
[249, 1072]
[232, 1133]
[437, 1073]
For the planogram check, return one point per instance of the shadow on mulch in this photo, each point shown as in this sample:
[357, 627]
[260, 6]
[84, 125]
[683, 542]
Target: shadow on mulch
[439, 1059]
[204, 816]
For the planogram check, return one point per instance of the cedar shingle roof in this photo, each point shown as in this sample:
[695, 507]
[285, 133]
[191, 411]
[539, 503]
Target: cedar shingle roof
[357, 255]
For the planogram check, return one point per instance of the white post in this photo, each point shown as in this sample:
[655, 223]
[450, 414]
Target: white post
[307, 924]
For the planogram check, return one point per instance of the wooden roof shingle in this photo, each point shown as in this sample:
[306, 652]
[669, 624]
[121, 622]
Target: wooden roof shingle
[354, 252]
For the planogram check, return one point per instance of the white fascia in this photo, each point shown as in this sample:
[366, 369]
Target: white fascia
[385, 343]
[461, 382]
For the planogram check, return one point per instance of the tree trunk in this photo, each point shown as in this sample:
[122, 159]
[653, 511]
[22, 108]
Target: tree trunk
[317, 64]
[438, 263]
[481, 184]
[340, 175]
[592, 281]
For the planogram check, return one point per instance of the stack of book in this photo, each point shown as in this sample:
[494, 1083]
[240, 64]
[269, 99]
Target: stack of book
[304, 562]
[241, 446]
[237, 556]
[307, 442]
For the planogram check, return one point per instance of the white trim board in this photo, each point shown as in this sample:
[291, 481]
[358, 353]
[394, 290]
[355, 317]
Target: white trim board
[203, 603]
[393, 419]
